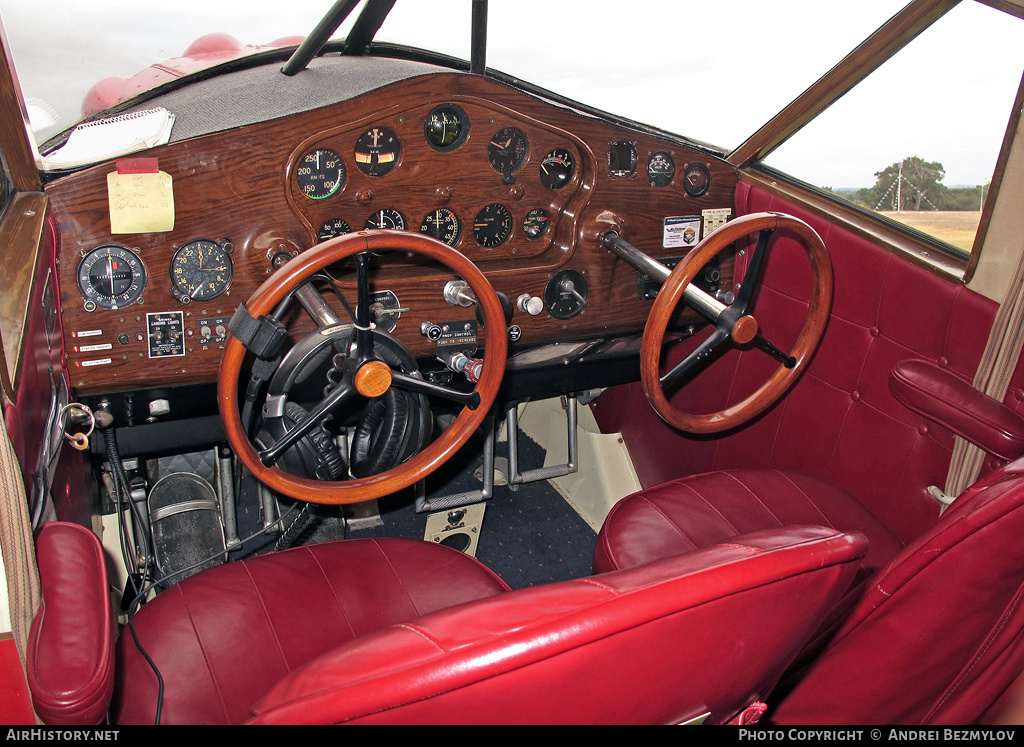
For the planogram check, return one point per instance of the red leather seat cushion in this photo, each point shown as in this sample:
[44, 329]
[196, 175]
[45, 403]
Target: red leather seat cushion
[702, 510]
[222, 638]
[705, 632]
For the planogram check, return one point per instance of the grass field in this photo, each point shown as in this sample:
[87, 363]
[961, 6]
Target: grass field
[953, 227]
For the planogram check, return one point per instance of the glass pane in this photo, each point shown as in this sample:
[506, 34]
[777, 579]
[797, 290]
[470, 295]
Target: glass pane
[713, 72]
[917, 141]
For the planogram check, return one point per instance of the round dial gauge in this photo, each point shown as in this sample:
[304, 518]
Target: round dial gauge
[201, 270]
[111, 277]
[493, 225]
[386, 218]
[446, 127]
[535, 223]
[507, 150]
[377, 151]
[334, 227]
[696, 179]
[557, 168]
[443, 225]
[320, 174]
[565, 295]
[660, 169]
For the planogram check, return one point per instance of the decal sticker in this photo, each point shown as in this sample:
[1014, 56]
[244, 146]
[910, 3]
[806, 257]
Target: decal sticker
[680, 231]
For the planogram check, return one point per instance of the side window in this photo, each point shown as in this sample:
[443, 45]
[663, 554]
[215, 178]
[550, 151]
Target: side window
[6, 184]
[917, 141]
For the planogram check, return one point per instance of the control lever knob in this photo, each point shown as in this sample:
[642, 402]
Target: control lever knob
[532, 305]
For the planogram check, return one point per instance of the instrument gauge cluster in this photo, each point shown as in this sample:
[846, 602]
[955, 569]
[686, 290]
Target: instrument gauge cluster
[465, 173]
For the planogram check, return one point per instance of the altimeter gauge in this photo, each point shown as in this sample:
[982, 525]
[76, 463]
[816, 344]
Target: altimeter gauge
[507, 150]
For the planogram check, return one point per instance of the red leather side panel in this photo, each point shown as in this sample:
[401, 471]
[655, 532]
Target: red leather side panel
[840, 422]
[71, 643]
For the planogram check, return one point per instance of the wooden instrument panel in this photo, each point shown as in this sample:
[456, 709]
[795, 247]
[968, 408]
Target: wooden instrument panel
[261, 193]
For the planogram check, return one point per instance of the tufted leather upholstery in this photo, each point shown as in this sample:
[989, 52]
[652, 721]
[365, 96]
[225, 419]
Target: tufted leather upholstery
[840, 422]
[372, 631]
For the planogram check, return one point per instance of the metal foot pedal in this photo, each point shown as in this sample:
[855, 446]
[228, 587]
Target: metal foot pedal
[185, 519]
[515, 477]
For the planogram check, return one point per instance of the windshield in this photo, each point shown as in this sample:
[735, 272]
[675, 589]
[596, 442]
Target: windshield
[701, 70]
[711, 72]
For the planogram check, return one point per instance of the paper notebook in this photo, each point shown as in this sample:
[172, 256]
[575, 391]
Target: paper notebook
[103, 139]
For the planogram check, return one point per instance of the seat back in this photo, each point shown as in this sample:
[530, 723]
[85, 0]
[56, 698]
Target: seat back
[936, 638]
[70, 658]
[701, 635]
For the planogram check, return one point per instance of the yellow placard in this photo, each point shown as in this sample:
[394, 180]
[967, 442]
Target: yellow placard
[140, 203]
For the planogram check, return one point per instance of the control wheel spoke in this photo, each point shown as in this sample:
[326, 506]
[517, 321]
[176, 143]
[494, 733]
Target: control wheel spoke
[697, 359]
[419, 386]
[335, 397]
[762, 343]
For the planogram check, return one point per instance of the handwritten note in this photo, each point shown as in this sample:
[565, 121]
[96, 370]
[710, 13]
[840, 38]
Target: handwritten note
[140, 203]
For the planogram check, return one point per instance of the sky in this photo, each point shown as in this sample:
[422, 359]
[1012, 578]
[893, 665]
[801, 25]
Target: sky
[712, 71]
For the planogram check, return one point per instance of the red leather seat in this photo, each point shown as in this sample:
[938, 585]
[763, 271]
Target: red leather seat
[401, 631]
[932, 633]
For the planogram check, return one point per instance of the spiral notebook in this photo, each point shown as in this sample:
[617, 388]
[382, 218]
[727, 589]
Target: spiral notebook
[104, 139]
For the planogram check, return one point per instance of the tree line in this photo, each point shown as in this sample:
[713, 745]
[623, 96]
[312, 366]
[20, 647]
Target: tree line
[916, 184]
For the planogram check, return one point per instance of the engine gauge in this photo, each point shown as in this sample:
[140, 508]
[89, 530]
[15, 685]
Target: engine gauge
[443, 225]
[507, 150]
[660, 169]
[493, 225]
[696, 179]
[557, 168]
[565, 294]
[201, 270]
[111, 277]
[334, 227]
[377, 151]
[446, 127]
[320, 174]
[387, 218]
[536, 223]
